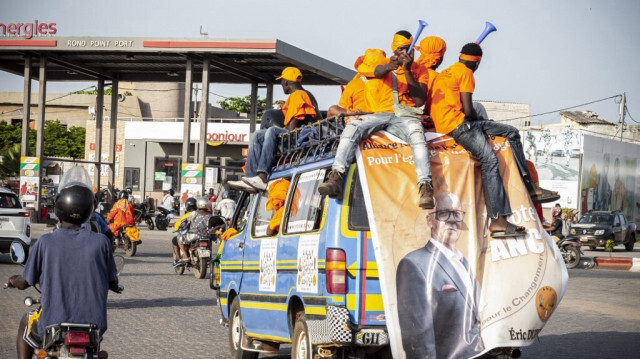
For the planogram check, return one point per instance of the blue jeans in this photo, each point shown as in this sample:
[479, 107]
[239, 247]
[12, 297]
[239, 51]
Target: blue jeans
[406, 128]
[472, 135]
[262, 151]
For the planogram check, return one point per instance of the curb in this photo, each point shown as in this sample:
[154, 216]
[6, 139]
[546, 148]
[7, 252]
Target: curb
[618, 263]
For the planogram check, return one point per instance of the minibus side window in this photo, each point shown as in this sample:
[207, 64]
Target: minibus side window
[305, 203]
[262, 216]
[358, 220]
[242, 215]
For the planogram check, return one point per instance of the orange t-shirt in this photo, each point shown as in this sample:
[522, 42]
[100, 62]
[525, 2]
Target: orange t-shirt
[444, 103]
[298, 105]
[380, 91]
[432, 77]
[353, 96]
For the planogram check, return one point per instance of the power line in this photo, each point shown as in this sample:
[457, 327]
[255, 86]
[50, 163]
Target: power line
[562, 109]
[629, 113]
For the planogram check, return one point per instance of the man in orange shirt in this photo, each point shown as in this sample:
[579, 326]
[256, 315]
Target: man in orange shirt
[353, 98]
[451, 108]
[411, 80]
[432, 49]
[300, 107]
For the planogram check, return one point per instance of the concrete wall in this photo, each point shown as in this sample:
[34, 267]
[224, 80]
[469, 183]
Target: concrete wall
[501, 111]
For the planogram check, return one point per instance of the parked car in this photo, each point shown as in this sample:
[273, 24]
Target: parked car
[594, 228]
[557, 153]
[15, 223]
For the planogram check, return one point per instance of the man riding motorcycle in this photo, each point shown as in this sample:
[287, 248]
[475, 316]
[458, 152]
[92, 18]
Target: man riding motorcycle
[190, 206]
[121, 215]
[73, 266]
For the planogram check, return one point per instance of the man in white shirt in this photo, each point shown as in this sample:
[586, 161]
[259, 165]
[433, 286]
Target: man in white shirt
[227, 206]
[168, 201]
[438, 312]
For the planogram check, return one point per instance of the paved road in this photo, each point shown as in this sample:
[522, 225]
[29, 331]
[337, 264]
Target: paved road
[162, 315]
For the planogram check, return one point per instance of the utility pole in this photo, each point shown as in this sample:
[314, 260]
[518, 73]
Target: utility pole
[623, 111]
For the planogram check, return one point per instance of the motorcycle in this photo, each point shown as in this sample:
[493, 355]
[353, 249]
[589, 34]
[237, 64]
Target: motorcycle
[123, 241]
[164, 218]
[570, 249]
[142, 212]
[198, 249]
[62, 340]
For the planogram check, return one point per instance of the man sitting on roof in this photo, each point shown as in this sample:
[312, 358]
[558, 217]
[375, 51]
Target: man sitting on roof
[450, 105]
[353, 98]
[300, 107]
[396, 95]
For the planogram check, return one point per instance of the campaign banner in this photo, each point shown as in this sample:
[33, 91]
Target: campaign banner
[449, 288]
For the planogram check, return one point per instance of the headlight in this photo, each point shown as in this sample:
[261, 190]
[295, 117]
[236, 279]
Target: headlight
[599, 232]
[573, 231]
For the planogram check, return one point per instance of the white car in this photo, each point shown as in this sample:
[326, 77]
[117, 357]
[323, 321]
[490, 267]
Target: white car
[15, 223]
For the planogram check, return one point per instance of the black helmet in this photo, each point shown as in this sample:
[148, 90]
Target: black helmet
[123, 194]
[74, 201]
[171, 192]
[190, 204]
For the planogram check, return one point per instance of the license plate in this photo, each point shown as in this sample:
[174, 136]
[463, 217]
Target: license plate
[204, 252]
[584, 239]
[372, 337]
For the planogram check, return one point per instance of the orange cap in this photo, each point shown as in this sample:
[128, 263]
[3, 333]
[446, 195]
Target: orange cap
[371, 59]
[291, 74]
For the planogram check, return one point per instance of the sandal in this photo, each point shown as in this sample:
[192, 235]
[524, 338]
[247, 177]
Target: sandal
[511, 231]
[546, 196]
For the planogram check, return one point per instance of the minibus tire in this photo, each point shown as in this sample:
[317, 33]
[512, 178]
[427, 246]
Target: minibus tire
[301, 338]
[236, 327]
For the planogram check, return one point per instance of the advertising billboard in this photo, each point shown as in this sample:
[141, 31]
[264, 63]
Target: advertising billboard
[556, 156]
[609, 179]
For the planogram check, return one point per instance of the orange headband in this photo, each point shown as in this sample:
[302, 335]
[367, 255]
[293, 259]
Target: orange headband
[470, 58]
[399, 40]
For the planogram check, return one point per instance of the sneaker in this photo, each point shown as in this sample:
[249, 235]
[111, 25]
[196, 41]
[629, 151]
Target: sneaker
[426, 196]
[332, 187]
[255, 182]
[175, 264]
[241, 186]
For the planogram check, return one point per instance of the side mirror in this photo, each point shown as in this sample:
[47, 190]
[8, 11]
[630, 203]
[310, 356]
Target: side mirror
[217, 221]
[17, 253]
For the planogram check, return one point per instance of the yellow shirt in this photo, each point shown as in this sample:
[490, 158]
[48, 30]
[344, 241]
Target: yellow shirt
[353, 97]
[444, 103]
[298, 105]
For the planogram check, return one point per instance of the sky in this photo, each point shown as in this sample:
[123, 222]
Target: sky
[550, 54]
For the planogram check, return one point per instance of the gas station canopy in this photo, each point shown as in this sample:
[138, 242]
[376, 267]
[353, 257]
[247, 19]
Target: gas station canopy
[164, 60]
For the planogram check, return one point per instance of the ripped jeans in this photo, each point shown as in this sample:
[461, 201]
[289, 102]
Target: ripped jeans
[407, 129]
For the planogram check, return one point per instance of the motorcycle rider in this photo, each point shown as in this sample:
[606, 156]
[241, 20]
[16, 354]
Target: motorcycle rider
[198, 224]
[74, 266]
[189, 206]
[168, 202]
[121, 214]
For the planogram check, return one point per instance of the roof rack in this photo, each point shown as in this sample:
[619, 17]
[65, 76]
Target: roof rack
[310, 143]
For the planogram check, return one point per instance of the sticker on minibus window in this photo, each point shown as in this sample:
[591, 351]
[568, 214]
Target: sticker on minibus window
[308, 264]
[268, 259]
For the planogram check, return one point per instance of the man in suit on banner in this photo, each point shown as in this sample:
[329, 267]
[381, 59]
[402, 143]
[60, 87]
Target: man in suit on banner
[438, 312]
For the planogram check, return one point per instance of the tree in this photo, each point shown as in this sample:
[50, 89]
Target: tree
[242, 104]
[10, 165]
[59, 141]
